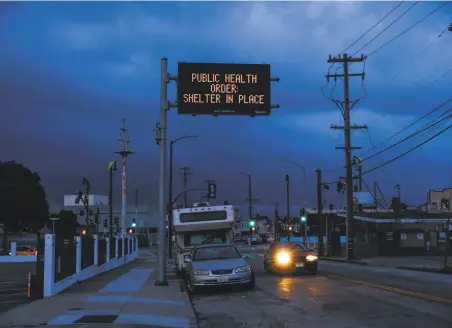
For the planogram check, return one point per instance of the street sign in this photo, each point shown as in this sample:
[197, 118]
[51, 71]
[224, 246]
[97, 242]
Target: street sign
[223, 89]
[54, 219]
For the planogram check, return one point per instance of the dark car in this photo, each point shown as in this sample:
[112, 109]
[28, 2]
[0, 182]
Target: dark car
[290, 257]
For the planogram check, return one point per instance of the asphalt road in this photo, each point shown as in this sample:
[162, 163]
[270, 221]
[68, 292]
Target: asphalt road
[343, 295]
[14, 284]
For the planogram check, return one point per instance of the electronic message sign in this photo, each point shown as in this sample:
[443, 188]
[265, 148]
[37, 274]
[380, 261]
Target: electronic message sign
[223, 89]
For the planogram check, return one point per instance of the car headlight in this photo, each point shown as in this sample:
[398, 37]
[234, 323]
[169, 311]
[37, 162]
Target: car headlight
[243, 269]
[311, 258]
[201, 272]
[283, 258]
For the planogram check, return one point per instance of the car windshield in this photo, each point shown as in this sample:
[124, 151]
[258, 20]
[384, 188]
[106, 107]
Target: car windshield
[287, 246]
[216, 253]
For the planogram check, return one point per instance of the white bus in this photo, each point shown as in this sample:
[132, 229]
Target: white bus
[202, 224]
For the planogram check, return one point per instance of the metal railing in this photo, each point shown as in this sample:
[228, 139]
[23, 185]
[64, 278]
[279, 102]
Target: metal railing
[65, 258]
[87, 251]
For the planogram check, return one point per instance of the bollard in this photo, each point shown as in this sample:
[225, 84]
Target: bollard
[29, 285]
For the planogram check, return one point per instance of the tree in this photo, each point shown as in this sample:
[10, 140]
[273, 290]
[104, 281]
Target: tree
[22, 200]
[397, 206]
[66, 225]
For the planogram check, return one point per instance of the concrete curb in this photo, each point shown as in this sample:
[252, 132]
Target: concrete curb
[194, 322]
[332, 259]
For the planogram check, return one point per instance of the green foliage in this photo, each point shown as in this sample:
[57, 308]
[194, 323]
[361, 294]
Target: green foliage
[22, 198]
[66, 225]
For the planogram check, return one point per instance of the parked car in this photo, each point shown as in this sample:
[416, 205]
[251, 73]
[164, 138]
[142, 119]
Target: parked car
[290, 257]
[24, 250]
[217, 265]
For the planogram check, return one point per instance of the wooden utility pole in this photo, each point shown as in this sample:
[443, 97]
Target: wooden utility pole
[319, 210]
[345, 108]
[185, 173]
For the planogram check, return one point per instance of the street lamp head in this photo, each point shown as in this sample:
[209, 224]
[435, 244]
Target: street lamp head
[183, 137]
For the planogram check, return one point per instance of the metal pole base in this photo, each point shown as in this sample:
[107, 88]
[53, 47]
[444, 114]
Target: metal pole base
[161, 283]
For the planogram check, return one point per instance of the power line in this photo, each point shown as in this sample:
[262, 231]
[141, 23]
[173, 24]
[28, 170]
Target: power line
[409, 28]
[375, 25]
[442, 76]
[417, 132]
[387, 27]
[409, 126]
[409, 151]
[420, 54]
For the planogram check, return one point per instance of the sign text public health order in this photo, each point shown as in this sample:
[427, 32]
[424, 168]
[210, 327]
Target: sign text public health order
[234, 89]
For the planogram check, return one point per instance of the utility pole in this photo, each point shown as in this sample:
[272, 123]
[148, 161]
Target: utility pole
[111, 169]
[250, 198]
[287, 196]
[446, 252]
[345, 108]
[124, 151]
[319, 209]
[136, 205]
[375, 194]
[185, 173]
[397, 187]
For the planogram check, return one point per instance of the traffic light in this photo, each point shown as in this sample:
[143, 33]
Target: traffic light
[86, 199]
[212, 190]
[78, 197]
[303, 215]
[131, 230]
[105, 223]
[290, 228]
[134, 223]
[96, 218]
[253, 229]
[116, 221]
[84, 232]
[252, 223]
[91, 222]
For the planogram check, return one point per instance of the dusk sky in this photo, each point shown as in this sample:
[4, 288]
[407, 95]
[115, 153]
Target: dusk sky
[69, 72]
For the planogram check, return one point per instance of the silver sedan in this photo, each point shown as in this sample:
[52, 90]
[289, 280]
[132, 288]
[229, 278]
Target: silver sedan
[218, 265]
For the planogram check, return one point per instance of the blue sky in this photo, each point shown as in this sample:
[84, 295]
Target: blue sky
[69, 72]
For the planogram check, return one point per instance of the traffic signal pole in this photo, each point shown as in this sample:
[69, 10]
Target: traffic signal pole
[319, 210]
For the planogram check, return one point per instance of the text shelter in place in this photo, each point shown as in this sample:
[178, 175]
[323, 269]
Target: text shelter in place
[236, 89]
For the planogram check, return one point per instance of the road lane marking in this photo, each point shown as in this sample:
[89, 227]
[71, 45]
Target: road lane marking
[396, 290]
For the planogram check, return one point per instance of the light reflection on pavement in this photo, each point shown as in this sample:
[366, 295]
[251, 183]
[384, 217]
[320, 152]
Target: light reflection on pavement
[315, 301]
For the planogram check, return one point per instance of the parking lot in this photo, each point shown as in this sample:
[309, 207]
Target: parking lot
[14, 284]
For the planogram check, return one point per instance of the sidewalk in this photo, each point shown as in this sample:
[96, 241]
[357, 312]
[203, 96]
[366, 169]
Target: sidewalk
[126, 295]
[433, 262]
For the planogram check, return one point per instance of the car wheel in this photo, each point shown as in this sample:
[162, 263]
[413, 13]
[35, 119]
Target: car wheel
[191, 288]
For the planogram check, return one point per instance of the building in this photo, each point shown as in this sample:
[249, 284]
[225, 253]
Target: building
[439, 201]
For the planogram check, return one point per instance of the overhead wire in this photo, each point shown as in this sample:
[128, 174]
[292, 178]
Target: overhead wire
[410, 27]
[409, 151]
[419, 54]
[386, 28]
[373, 26]
[408, 126]
[414, 134]
[442, 76]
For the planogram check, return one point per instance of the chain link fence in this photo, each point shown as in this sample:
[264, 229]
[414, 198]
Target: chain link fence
[65, 257]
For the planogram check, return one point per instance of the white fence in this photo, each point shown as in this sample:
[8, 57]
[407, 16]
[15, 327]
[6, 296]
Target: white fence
[14, 258]
[52, 288]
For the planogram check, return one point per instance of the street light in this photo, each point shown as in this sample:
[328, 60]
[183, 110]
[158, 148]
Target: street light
[305, 191]
[170, 197]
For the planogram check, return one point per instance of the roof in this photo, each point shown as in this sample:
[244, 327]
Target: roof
[212, 245]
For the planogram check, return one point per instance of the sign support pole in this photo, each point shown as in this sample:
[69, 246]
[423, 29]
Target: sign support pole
[164, 107]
